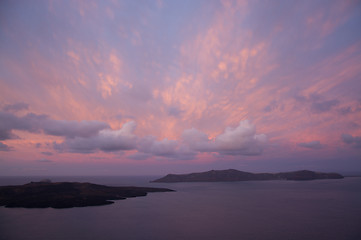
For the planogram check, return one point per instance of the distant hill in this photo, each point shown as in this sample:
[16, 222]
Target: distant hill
[232, 175]
[67, 194]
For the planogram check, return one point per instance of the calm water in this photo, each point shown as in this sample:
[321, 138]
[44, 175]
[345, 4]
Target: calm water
[323, 209]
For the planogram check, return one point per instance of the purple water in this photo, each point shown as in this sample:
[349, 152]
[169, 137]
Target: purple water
[322, 209]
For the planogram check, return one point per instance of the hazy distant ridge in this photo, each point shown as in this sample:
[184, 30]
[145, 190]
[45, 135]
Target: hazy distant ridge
[232, 175]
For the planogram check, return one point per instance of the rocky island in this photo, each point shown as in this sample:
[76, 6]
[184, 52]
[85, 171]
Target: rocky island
[232, 175]
[67, 194]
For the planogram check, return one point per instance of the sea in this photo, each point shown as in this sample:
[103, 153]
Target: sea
[249, 210]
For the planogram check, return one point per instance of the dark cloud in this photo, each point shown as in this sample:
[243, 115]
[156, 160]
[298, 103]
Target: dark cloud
[311, 145]
[71, 129]
[241, 140]
[317, 103]
[44, 160]
[345, 110]
[6, 134]
[9, 121]
[350, 109]
[347, 138]
[4, 147]
[323, 106]
[300, 98]
[273, 105]
[47, 153]
[16, 107]
[268, 108]
[174, 111]
[351, 140]
[42, 123]
[106, 140]
[353, 125]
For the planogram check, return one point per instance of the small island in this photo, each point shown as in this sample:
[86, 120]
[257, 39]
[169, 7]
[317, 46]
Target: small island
[232, 175]
[67, 194]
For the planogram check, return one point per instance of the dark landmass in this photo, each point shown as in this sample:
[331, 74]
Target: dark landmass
[67, 194]
[232, 175]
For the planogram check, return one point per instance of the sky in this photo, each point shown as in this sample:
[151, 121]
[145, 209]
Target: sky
[157, 87]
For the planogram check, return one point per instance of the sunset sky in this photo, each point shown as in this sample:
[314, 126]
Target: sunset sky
[157, 87]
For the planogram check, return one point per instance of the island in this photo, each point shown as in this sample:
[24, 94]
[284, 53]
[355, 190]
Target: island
[232, 175]
[46, 194]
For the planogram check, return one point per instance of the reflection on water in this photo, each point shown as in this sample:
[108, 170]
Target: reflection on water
[323, 209]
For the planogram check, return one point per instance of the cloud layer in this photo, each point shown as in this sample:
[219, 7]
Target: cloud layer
[106, 140]
[241, 140]
[41, 123]
[15, 107]
[92, 136]
[351, 140]
[4, 147]
[180, 80]
[311, 145]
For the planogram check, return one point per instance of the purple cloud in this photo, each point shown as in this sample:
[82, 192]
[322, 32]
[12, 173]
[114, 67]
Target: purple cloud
[109, 140]
[165, 148]
[197, 140]
[323, 106]
[139, 156]
[317, 103]
[16, 107]
[106, 140]
[42, 123]
[273, 105]
[44, 160]
[345, 110]
[174, 111]
[241, 140]
[4, 147]
[71, 129]
[351, 140]
[311, 145]
[47, 153]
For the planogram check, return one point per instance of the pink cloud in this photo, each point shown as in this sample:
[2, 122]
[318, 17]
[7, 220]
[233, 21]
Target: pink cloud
[241, 140]
[82, 75]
